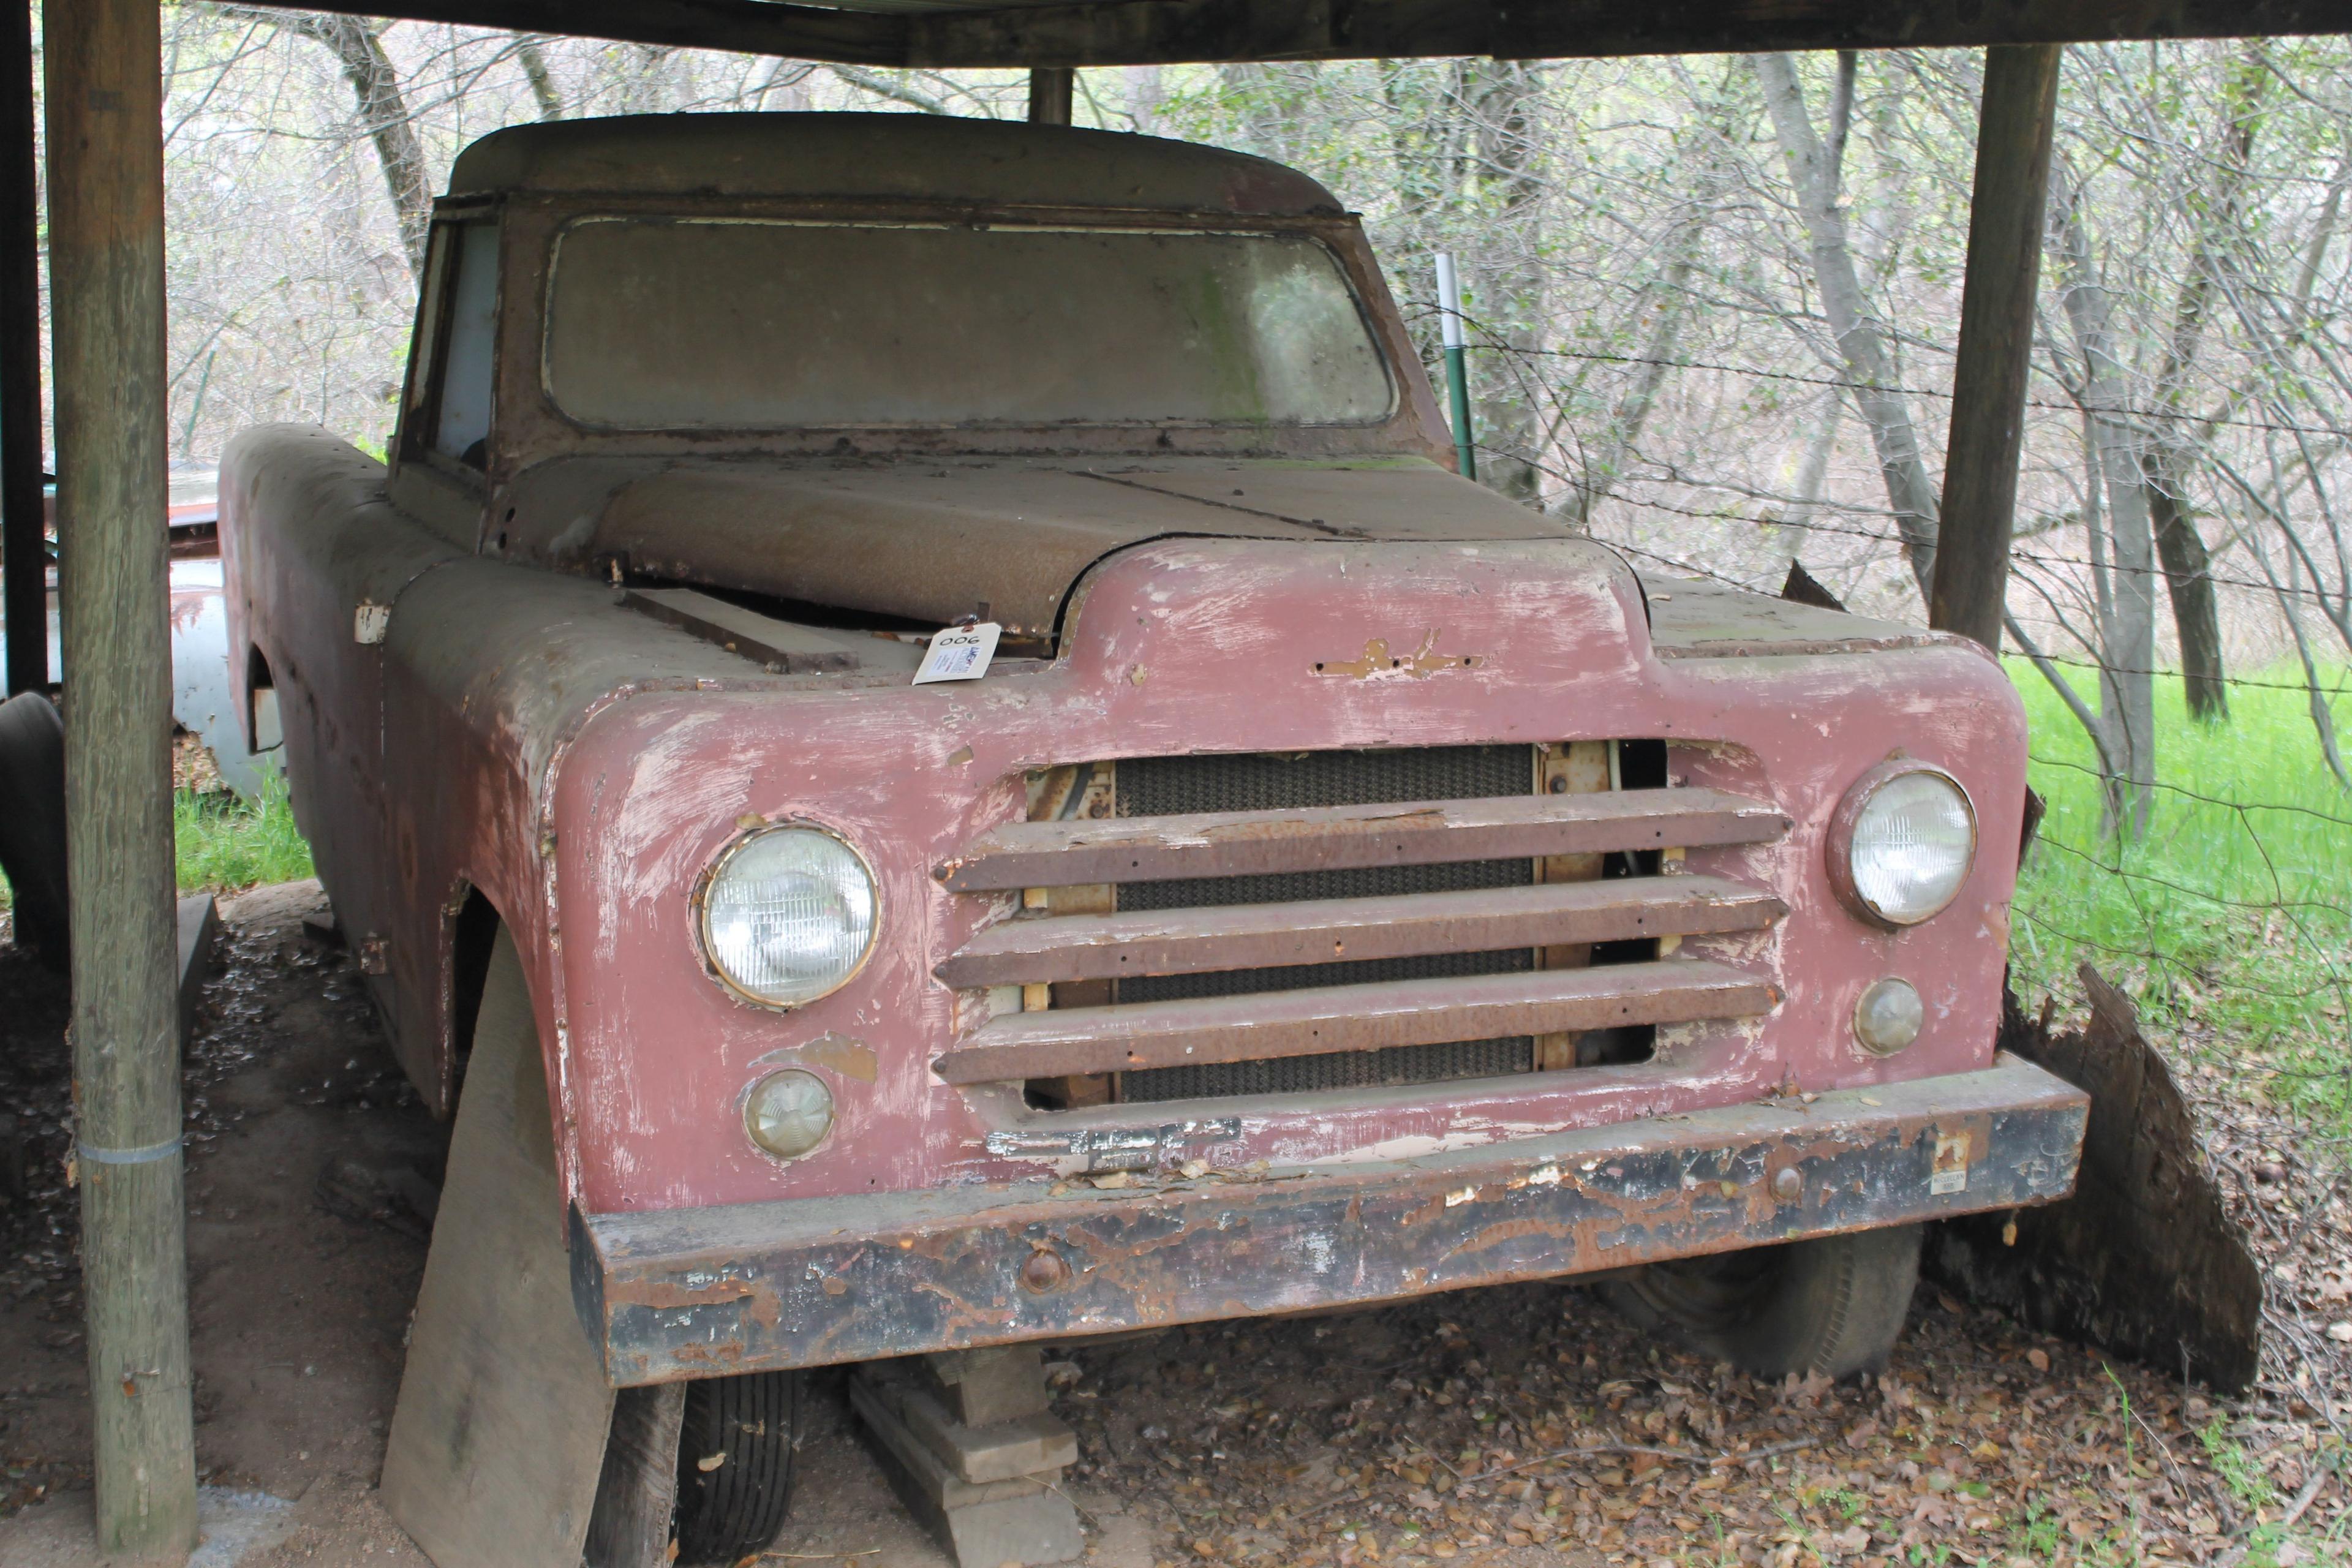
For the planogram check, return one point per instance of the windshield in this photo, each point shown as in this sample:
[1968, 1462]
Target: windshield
[754, 324]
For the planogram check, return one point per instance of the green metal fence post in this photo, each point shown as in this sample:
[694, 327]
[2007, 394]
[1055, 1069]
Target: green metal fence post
[1457, 377]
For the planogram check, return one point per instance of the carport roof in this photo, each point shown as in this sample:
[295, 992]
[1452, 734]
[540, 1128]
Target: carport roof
[1032, 33]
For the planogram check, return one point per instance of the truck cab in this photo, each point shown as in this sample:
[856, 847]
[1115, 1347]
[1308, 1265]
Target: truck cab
[1340, 884]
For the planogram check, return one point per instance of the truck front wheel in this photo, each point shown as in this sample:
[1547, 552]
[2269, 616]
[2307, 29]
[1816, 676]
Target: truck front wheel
[1832, 1305]
[736, 1459]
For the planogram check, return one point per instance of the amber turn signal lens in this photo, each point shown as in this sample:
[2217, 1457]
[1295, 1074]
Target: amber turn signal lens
[788, 1114]
[1889, 1017]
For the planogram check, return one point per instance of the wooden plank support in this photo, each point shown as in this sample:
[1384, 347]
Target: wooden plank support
[1327, 930]
[1331, 838]
[1996, 347]
[24, 554]
[957, 1478]
[105, 109]
[1203, 1029]
[629, 1527]
[1001, 1451]
[197, 928]
[998, 1384]
[497, 1453]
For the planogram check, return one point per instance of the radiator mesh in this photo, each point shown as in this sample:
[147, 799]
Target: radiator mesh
[1154, 786]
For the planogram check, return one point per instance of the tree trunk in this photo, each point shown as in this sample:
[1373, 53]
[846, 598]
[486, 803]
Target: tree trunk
[2323, 719]
[1505, 100]
[1812, 472]
[2128, 609]
[2188, 575]
[384, 111]
[1861, 342]
[542, 79]
[2172, 456]
[359, 48]
[1615, 450]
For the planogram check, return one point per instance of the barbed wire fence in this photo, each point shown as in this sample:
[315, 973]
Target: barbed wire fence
[2231, 918]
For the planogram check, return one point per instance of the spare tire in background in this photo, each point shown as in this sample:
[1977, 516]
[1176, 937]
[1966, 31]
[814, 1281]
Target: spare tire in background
[33, 821]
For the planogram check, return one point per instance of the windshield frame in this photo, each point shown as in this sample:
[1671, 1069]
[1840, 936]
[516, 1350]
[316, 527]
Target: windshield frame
[1365, 318]
[531, 430]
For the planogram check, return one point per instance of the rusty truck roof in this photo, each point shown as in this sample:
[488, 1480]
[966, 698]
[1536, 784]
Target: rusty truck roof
[920, 157]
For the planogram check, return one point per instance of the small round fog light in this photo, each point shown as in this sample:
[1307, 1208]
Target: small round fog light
[789, 1113]
[1888, 1016]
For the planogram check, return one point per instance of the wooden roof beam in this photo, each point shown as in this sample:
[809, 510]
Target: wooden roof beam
[744, 27]
[1172, 32]
[1156, 32]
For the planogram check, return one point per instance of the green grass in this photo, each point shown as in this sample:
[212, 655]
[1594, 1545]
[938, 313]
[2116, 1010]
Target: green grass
[2228, 923]
[225, 843]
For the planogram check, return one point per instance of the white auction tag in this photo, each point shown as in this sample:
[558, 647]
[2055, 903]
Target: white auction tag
[959, 653]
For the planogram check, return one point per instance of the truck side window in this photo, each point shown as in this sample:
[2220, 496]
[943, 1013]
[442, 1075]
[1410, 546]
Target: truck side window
[462, 416]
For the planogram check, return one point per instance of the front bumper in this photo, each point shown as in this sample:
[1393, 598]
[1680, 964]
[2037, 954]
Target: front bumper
[702, 1292]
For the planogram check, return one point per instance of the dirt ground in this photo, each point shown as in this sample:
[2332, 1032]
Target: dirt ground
[1511, 1427]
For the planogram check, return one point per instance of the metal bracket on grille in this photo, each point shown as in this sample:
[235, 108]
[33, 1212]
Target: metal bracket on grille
[1121, 1147]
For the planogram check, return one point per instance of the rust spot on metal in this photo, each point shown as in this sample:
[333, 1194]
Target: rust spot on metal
[1378, 663]
[841, 1055]
[892, 1275]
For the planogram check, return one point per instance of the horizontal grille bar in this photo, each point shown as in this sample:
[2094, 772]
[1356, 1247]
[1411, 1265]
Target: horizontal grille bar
[1323, 839]
[1326, 931]
[1197, 1031]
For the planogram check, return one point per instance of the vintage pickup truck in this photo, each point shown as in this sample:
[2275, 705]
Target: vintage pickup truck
[1341, 885]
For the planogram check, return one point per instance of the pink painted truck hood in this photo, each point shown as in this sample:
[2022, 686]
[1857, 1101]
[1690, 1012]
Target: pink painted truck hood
[936, 540]
[1220, 645]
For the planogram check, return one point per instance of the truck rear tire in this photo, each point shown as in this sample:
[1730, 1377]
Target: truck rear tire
[33, 821]
[750, 1425]
[1832, 1305]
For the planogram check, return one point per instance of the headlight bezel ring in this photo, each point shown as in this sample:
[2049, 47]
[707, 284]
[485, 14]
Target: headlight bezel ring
[1839, 842]
[700, 909]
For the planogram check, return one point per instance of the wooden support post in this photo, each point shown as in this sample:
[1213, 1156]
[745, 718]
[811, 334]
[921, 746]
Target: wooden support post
[2004, 268]
[1051, 89]
[106, 247]
[24, 556]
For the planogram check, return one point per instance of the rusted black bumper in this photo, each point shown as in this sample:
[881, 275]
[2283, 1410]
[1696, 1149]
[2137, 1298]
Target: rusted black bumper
[686, 1294]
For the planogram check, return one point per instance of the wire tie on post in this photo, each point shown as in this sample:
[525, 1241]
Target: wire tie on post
[93, 1155]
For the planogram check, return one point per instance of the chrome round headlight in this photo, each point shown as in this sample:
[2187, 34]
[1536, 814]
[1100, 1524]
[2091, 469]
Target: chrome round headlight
[1902, 843]
[787, 915]
[788, 1114]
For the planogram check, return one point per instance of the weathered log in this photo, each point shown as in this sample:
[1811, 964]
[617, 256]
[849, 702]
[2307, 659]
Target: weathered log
[104, 102]
[2014, 132]
[2142, 1259]
[1158, 32]
[24, 551]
